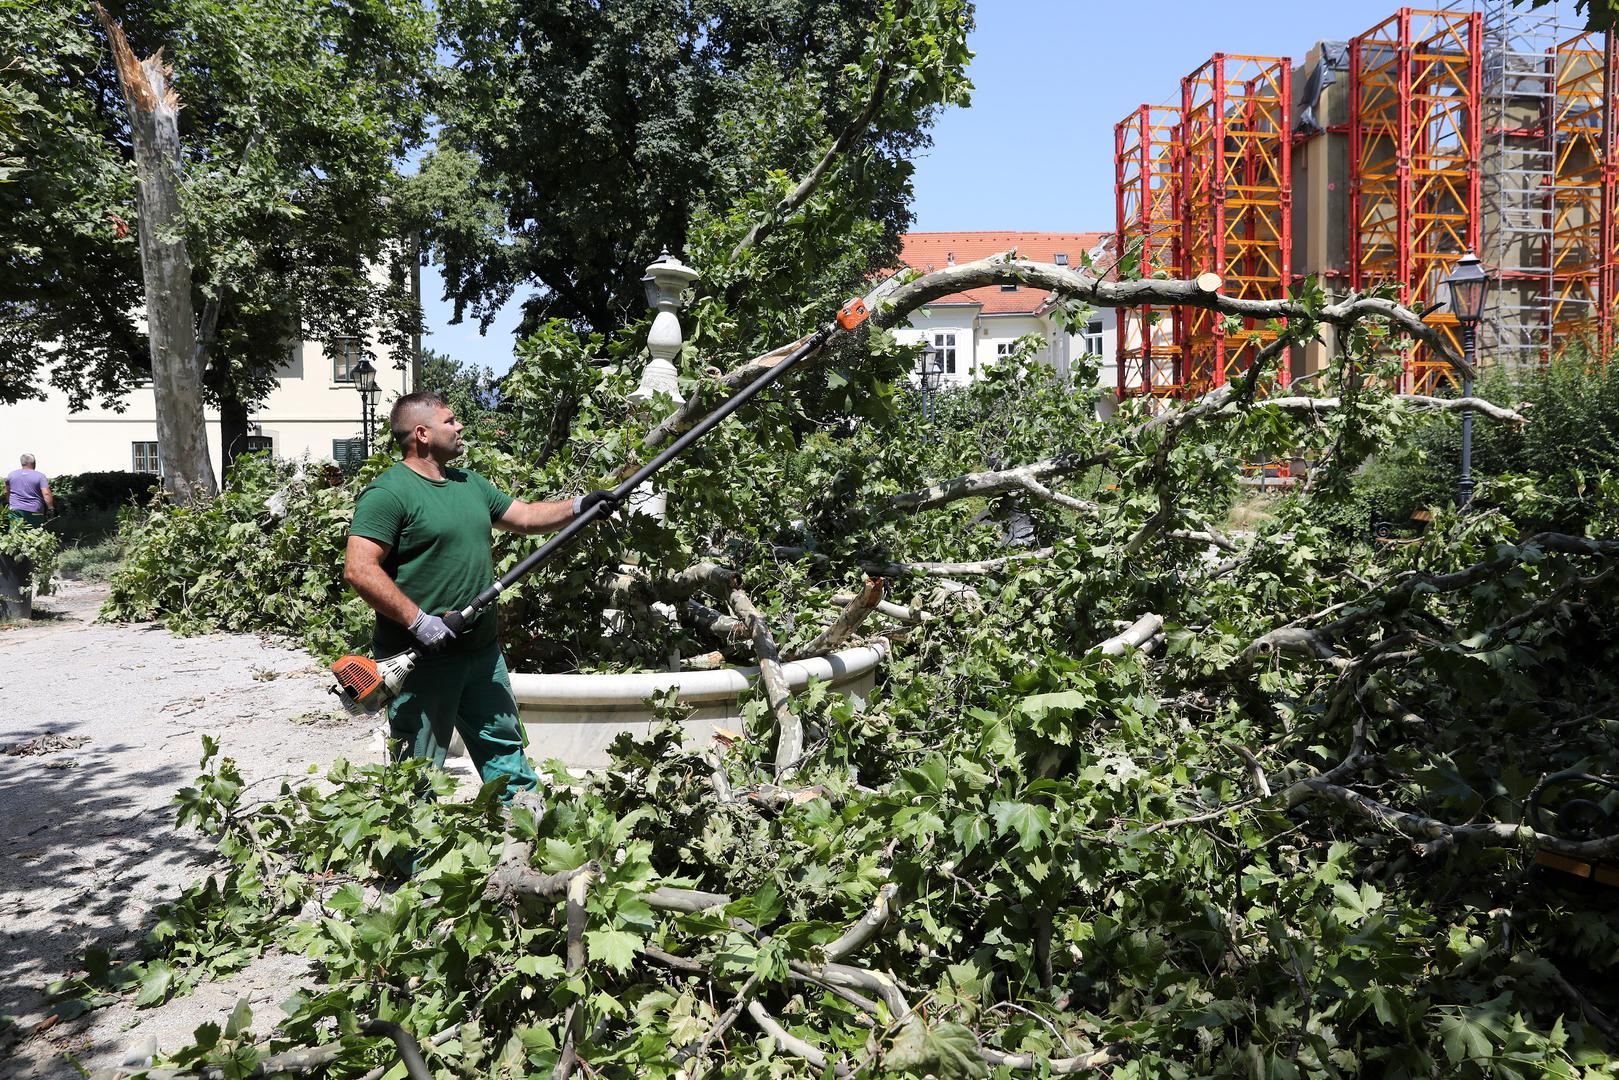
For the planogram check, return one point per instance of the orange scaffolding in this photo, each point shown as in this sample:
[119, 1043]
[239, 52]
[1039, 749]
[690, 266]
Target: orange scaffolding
[1236, 191]
[1583, 252]
[1414, 137]
[1147, 195]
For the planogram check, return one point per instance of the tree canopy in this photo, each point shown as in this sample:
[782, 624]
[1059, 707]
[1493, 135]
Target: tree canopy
[294, 116]
[593, 135]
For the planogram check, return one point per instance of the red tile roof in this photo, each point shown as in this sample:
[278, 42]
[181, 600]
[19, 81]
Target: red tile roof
[924, 251]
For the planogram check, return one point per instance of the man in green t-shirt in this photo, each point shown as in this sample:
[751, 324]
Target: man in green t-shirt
[419, 547]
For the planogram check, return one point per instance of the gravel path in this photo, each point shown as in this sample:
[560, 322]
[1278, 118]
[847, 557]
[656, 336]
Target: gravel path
[99, 726]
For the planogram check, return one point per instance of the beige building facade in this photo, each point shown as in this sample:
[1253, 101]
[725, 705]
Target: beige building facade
[313, 412]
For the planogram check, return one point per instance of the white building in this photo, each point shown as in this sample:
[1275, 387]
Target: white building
[975, 329]
[313, 410]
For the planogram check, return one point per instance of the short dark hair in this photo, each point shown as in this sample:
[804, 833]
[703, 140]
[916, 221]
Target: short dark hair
[404, 409]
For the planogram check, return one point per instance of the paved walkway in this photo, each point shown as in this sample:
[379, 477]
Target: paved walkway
[99, 726]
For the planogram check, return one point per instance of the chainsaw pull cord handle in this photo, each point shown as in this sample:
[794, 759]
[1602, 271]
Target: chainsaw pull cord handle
[852, 315]
[410, 1051]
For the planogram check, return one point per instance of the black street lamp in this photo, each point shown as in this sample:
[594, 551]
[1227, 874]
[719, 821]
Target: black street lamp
[365, 381]
[930, 376]
[1468, 287]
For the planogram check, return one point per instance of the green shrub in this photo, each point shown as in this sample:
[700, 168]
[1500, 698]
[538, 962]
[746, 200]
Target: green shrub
[84, 493]
[33, 548]
[1551, 470]
[235, 564]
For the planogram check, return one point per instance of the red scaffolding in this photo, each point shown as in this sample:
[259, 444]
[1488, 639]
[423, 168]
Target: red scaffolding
[1414, 135]
[1147, 193]
[1583, 249]
[1236, 198]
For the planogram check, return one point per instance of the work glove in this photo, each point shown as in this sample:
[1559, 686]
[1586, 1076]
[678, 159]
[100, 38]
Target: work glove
[586, 501]
[431, 631]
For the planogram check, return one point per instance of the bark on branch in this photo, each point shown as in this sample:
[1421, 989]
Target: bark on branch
[1433, 836]
[789, 732]
[892, 305]
[925, 569]
[1138, 634]
[847, 622]
[1299, 639]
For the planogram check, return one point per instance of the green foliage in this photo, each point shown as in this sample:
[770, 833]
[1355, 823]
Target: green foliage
[293, 116]
[66, 277]
[234, 564]
[32, 547]
[1081, 854]
[642, 125]
[472, 391]
[1556, 472]
[81, 493]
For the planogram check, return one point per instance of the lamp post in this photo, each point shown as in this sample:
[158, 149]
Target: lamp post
[365, 381]
[666, 282]
[929, 376]
[1468, 286]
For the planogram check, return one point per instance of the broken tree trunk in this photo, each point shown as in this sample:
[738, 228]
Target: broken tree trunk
[154, 113]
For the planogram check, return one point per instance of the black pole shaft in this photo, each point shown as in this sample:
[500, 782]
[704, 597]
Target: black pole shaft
[563, 538]
[1464, 494]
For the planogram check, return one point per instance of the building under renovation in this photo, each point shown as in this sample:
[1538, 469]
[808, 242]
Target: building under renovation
[1382, 160]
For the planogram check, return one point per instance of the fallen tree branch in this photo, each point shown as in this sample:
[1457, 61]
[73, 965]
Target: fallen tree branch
[578, 918]
[904, 614]
[891, 305]
[792, 1044]
[1415, 402]
[789, 732]
[1319, 642]
[1138, 634]
[847, 622]
[1435, 836]
[925, 569]
[1083, 1063]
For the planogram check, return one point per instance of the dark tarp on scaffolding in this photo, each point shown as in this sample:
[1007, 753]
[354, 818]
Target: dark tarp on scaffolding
[1334, 58]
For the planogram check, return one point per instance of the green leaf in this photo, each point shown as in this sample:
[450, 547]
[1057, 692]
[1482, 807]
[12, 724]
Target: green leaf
[1465, 1039]
[241, 1020]
[1029, 822]
[615, 948]
[156, 981]
[946, 1051]
[541, 967]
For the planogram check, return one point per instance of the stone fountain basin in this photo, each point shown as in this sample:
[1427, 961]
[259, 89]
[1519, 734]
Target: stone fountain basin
[576, 717]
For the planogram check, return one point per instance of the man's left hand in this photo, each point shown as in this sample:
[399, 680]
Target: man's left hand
[585, 502]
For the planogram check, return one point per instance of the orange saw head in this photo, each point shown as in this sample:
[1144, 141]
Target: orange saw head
[366, 685]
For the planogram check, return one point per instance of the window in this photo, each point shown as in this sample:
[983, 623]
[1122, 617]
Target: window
[258, 444]
[945, 350]
[144, 458]
[349, 454]
[1009, 288]
[346, 352]
[1061, 258]
[1091, 340]
[1005, 350]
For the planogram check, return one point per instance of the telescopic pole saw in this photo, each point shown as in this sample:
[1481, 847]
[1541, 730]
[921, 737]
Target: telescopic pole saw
[366, 685]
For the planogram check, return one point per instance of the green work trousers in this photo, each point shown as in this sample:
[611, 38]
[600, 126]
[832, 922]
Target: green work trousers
[470, 693]
[27, 517]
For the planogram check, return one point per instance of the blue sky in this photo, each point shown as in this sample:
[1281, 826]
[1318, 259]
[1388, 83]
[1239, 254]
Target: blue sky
[1035, 150]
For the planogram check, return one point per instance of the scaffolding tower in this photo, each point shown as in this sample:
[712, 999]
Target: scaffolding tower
[1582, 246]
[1518, 169]
[1147, 195]
[1236, 198]
[1415, 133]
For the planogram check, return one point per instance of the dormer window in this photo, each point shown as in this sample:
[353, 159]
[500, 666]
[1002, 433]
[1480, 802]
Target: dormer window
[1061, 258]
[1009, 288]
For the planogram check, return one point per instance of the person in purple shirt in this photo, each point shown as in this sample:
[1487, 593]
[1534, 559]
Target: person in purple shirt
[28, 493]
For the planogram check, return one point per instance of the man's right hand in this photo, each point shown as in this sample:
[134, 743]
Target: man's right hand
[431, 631]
